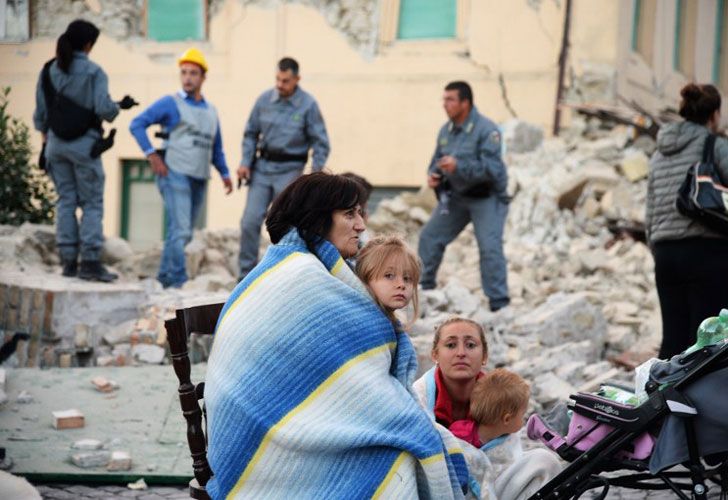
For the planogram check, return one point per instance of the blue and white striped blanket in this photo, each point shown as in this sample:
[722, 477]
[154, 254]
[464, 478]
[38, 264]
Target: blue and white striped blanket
[306, 391]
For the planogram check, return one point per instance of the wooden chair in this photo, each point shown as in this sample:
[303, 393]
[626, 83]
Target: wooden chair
[200, 320]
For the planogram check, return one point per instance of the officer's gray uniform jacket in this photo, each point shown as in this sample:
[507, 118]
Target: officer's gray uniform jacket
[679, 145]
[476, 145]
[189, 147]
[86, 84]
[290, 126]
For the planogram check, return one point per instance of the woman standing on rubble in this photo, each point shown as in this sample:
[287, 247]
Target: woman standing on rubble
[72, 97]
[691, 261]
[306, 389]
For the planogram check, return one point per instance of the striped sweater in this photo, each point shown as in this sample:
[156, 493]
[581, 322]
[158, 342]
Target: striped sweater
[679, 145]
[306, 390]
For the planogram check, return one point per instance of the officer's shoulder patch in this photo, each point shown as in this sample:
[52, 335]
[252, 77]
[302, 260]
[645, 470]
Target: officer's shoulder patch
[494, 137]
[443, 141]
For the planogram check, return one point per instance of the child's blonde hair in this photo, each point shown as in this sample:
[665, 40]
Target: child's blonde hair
[496, 393]
[372, 259]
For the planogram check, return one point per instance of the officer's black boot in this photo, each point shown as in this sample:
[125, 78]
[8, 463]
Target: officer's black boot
[70, 268]
[92, 270]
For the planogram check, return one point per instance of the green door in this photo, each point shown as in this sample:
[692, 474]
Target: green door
[142, 210]
[427, 19]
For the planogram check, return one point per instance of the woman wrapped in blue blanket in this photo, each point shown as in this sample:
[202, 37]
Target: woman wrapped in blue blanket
[306, 389]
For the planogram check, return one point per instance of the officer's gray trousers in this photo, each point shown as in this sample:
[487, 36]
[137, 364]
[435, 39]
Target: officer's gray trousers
[488, 216]
[263, 188]
[79, 182]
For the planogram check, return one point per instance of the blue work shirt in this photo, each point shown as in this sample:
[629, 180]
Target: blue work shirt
[165, 113]
[86, 84]
[476, 147]
[290, 125]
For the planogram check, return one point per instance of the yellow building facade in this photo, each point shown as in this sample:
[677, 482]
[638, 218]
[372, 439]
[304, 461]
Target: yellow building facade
[381, 103]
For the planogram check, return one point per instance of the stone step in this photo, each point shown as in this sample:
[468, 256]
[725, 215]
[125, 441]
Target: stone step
[62, 315]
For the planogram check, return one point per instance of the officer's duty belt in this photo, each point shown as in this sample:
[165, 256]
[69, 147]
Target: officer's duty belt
[281, 157]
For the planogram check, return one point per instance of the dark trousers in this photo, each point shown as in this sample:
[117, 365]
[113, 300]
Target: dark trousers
[692, 283]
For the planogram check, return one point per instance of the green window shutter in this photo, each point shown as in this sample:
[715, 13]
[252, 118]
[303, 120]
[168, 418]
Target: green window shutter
[171, 20]
[427, 19]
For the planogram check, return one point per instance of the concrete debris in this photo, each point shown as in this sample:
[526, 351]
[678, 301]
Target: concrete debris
[635, 165]
[580, 293]
[120, 460]
[148, 353]
[102, 384]
[137, 485]
[521, 137]
[90, 459]
[24, 398]
[87, 444]
[68, 419]
[115, 250]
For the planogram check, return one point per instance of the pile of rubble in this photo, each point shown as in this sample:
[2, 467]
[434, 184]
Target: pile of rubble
[582, 286]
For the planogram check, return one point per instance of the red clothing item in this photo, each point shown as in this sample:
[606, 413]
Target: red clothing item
[443, 402]
[467, 430]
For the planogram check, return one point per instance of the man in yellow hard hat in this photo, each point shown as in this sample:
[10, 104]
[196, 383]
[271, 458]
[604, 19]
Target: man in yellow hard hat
[191, 130]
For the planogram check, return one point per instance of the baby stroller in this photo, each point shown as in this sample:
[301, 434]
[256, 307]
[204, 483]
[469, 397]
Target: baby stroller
[683, 421]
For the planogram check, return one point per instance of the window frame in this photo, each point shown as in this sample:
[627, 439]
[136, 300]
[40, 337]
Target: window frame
[205, 25]
[683, 53]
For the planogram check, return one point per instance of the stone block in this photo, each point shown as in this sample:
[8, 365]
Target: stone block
[68, 419]
[148, 353]
[87, 444]
[38, 299]
[563, 318]
[115, 250]
[14, 296]
[24, 398]
[35, 328]
[521, 137]
[103, 384]
[11, 319]
[26, 303]
[82, 336]
[65, 360]
[635, 165]
[120, 460]
[549, 389]
[90, 459]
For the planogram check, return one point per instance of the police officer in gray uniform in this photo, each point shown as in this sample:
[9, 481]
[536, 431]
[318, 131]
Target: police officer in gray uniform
[283, 126]
[469, 175]
[72, 97]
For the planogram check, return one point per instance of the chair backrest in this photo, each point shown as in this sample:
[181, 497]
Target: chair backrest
[200, 320]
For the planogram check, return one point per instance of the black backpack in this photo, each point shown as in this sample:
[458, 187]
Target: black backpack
[703, 196]
[66, 119]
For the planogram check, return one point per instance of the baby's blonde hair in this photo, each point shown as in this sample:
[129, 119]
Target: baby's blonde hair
[496, 393]
[371, 264]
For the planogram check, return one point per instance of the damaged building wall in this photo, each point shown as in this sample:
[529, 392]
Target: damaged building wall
[679, 45]
[382, 110]
[118, 19]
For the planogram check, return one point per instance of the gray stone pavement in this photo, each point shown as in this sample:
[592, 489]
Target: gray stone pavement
[103, 492]
[82, 492]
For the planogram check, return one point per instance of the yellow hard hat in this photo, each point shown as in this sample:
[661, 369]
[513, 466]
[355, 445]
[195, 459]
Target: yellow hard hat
[193, 55]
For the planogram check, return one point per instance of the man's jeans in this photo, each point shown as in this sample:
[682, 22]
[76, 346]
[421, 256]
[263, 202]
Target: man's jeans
[79, 182]
[183, 196]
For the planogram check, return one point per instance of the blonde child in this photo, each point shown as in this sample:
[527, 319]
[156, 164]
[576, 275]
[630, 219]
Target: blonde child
[498, 405]
[390, 269]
